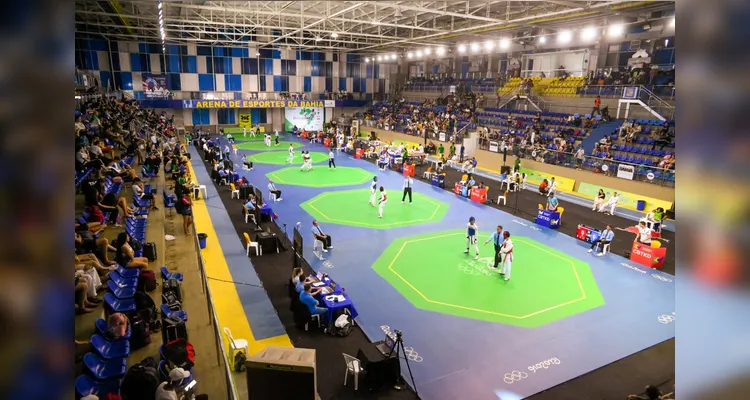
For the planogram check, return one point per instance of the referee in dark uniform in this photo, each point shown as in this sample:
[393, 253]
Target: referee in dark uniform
[497, 239]
[408, 184]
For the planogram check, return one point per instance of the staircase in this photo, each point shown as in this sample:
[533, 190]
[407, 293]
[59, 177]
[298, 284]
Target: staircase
[598, 133]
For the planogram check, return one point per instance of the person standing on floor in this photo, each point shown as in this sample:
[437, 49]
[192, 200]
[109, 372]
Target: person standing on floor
[267, 139]
[244, 131]
[276, 134]
[273, 190]
[319, 235]
[605, 238]
[373, 189]
[381, 203]
[461, 155]
[552, 187]
[291, 154]
[331, 161]
[306, 161]
[497, 240]
[507, 254]
[472, 230]
[408, 184]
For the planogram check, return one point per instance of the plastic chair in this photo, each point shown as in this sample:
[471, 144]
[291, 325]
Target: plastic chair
[234, 191]
[119, 305]
[354, 367]
[166, 275]
[561, 210]
[126, 292]
[86, 385]
[104, 369]
[110, 350]
[504, 197]
[655, 244]
[179, 314]
[250, 243]
[102, 329]
[115, 277]
[235, 345]
[248, 214]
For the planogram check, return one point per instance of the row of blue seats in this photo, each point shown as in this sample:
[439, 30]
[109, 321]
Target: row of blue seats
[639, 150]
[81, 176]
[526, 112]
[502, 122]
[642, 170]
[628, 159]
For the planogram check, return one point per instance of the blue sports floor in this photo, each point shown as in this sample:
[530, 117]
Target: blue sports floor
[454, 357]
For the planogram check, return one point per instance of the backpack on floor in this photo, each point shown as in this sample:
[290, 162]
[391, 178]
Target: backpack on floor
[173, 329]
[149, 251]
[173, 286]
[145, 308]
[140, 335]
[342, 324]
[180, 353]
[140, 381]
[147, 281]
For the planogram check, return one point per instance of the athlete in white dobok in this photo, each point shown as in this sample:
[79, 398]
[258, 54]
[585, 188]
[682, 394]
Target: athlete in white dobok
[306, 161]
[472, 231]
[244, 131]
[381, 203]
[276, 133]
[609, 206]
[506, 252]
[373, 189]
[291, 154]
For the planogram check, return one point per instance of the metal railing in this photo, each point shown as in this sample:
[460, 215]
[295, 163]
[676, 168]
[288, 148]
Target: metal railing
[656, 103]
[550, 73]
[615, 91]
[642, 173]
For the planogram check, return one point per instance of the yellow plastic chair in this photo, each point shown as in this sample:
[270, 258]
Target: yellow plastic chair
[465, 177]
[250, 243]
[655, 244]
[561, 210]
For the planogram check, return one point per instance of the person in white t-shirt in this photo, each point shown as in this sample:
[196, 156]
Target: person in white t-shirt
[291, 154]
[552, 187]
[244, 131]
[644, 234]
[169, 390]
[382, 201]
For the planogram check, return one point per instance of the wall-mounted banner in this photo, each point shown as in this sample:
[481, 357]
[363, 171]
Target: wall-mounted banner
[245, 121]
[330, 103]
[536, 177]
[628, 200]
[155, 86]
[307, 118]
[252, 103]
[625, 171]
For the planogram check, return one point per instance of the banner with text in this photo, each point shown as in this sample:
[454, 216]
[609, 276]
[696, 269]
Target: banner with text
[251, 103]
[308, 118]
[245, 121]
[155, 86]
[629, 200]
[563, 184]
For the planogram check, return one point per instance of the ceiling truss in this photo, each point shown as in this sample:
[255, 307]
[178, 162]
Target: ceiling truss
[371, 26]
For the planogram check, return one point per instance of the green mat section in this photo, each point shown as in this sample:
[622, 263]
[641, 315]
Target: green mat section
[281, 157]
[259, 145]
[432, 271]
[320, 176]
[352, 207]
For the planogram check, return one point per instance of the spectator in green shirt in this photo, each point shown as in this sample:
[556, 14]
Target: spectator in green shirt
[517, 165]
[441, 150]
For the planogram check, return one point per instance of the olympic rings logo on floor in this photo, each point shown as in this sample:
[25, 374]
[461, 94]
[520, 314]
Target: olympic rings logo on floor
[483, 266]
[327, 264]
[661, 278]
[514, 376]
[666, 319]
[633, 268]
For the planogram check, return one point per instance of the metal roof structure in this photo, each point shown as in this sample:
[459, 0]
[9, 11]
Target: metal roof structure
[349, 26]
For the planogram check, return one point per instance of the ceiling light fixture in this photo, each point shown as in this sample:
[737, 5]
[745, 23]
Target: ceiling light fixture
[542, 39]
[441, 51]
[334, 35]
[504, 43]
[393, 56]
[318, 38]
[475, 46]
[672, 22]
[419, 53]
[380, 58]
[367, 59]
[616, 30]
[461, 48]
[489, 45]
[257, 53]
[159, 5]
[588, 33]
[428, 51]
[409, 55]
[564, 36]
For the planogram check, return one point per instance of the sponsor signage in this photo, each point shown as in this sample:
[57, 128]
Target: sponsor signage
[629, 200]
[549, 219]
[652, 257]
[625, 171]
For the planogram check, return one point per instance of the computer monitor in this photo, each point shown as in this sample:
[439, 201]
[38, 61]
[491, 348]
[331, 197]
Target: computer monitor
[389, 342]
[319, 275]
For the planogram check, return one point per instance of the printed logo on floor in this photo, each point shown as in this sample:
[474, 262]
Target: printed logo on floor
[544, 364]
[666, 319]
[636, 269]
[515, 375]
[327, 264]
[482, 266]
[661, 278]
[411, 354]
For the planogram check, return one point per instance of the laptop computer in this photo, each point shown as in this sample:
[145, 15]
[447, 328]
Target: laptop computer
[386, 345]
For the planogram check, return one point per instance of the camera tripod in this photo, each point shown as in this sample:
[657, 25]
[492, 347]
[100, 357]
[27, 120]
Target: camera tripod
[399, 345]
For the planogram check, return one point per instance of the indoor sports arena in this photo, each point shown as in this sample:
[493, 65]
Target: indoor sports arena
[375, 200]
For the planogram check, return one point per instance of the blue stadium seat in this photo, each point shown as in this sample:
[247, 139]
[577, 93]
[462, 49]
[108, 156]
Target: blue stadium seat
[104, 369]
[102, 329]
[110, 350]
[86, 385]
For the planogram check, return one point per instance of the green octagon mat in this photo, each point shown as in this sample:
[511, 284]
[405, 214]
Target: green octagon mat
[352, 207]
[434, 274]
[259, 145]
[281, 157]
[320, 176]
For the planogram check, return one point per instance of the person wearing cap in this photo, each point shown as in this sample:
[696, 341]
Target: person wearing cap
[168, 390]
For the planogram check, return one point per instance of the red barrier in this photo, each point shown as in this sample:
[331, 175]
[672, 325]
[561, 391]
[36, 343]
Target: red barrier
[409, 170]
[358, 153]
[652, 257]
[479, 195]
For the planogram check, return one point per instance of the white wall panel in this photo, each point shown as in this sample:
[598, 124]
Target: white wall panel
[295, 84]
[335, 68]
[269, 82]
[201, 60]
[303, 68]
[252, 81]
[214, 116]
[189, 82]
[137, 81]
[187, 116]
[132, 47]
[124, 61]
[192, 49]
[103, 57]
[236, 65]
[155, 63]
[276, 67]
[220, 82]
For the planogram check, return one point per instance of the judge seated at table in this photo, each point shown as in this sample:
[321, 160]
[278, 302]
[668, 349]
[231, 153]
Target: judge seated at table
[552, 203]
[306, 298]
[298, 282]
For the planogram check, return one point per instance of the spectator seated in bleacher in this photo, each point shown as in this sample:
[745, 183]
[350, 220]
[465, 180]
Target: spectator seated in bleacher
[104, 202]
[87, 241]
[125, 256]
